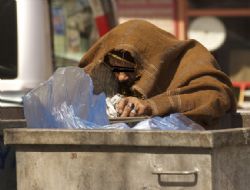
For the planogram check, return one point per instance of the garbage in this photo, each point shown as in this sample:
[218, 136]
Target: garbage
[67, 100]
[111, 105]
[175, 121]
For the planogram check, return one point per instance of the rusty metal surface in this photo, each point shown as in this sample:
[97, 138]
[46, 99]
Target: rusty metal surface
[11, 113]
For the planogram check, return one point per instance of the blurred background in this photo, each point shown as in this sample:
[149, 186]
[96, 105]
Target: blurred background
[38, 36]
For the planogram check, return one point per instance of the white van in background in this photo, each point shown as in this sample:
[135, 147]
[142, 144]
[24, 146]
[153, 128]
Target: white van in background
[25, 47]
[31, 62]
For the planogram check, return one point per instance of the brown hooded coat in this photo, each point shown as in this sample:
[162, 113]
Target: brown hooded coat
[176, 76]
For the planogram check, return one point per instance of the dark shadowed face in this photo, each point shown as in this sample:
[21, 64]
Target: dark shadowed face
[125, 81]
[123, 67]
[129, 77]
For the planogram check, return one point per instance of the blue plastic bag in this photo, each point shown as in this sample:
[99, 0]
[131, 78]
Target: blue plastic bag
[176, 121]
[66, 100]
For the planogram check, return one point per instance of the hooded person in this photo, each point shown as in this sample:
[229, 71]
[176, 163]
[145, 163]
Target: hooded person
[159, 74]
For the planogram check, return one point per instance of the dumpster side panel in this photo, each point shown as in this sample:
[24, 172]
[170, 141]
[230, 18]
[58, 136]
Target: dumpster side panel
[7, 168]
[231, 169]
[113, 168]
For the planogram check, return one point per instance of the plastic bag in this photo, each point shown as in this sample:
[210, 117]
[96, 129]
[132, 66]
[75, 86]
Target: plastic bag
[66, 100]
[176, 121]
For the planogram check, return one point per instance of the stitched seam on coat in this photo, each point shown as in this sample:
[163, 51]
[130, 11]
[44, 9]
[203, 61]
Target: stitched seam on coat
[178, 90]
[173, 92]
[179, 101]
[171, 101]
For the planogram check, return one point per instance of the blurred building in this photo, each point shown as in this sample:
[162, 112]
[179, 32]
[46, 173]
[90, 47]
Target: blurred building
[65, 29]
[77, 24]
[221, 26]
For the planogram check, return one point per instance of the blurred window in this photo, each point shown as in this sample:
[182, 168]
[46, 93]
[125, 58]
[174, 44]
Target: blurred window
[204, 4]
[8, 39]
[234, 54]
[74, 28]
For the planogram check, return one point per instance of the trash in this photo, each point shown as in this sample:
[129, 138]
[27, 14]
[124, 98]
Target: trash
[111, 105]
[176, 121]
[66, 100]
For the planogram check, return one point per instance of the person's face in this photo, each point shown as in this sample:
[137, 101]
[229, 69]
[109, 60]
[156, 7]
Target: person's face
[125, 81]
[123, 67]
[127, 77]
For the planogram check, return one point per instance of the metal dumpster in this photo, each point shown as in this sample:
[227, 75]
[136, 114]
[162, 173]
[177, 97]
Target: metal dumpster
[9, 117]
[131, 160]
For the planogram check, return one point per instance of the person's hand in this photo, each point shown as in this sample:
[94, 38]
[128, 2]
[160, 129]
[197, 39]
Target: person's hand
[132, 106]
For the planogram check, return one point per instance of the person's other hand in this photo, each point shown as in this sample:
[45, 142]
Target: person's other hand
[132, 106]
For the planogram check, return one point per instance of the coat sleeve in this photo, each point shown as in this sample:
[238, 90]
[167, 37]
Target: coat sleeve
[204, 100]
[200, 90]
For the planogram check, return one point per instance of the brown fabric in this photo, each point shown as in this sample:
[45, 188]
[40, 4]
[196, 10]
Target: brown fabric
[176, 76]
[117, 61]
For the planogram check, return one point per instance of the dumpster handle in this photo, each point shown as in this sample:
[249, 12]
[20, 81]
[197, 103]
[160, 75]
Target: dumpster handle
[194, 172]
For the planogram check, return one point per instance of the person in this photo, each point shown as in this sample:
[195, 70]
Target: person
[159, 74]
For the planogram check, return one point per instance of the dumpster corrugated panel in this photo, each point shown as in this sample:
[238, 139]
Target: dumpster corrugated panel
[108, 159]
